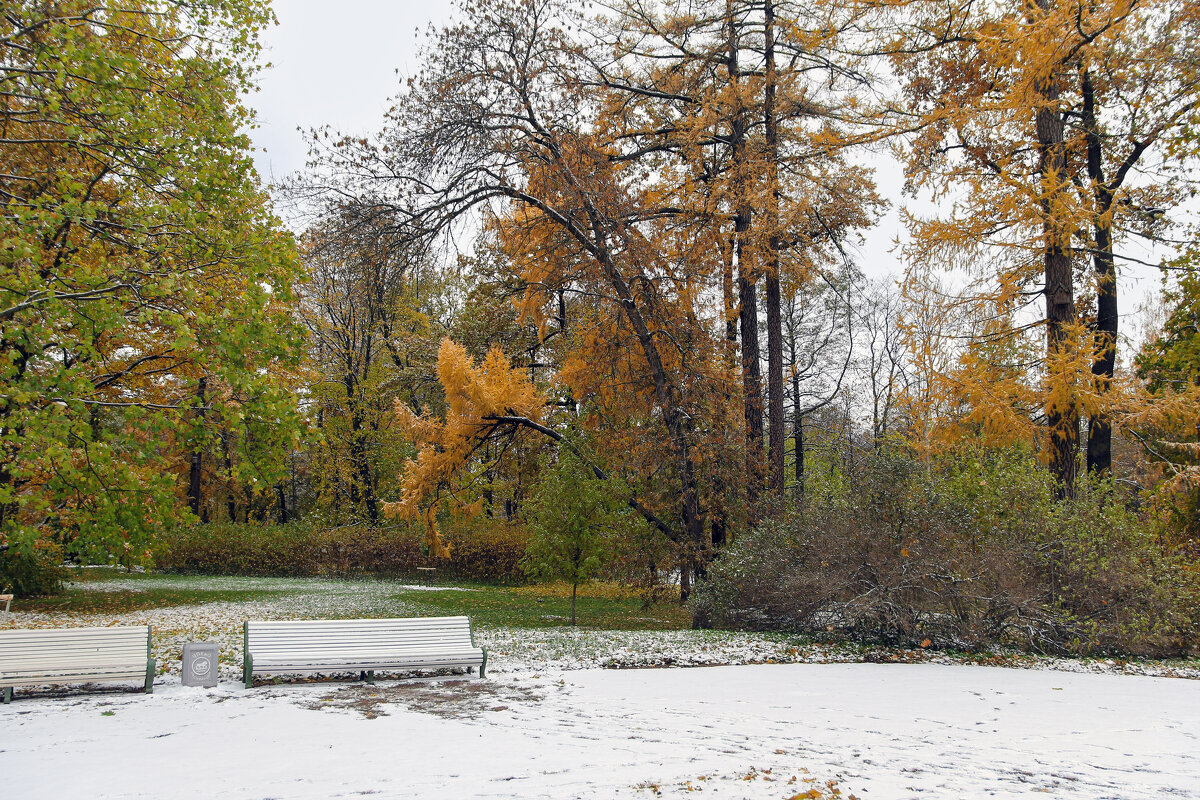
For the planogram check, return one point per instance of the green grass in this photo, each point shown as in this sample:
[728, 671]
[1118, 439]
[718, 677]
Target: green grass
[599, 605]
[549, 605]
[101, 574]
[98, 601]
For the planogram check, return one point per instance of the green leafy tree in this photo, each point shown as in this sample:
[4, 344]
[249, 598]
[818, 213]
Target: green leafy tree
[145, 286]
[1168, 427]
[571, 515]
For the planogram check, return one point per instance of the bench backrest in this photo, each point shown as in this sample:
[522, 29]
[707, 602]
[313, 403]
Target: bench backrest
[53, 646]
[348, 635]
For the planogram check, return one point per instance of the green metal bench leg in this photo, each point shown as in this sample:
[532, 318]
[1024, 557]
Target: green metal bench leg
[371, 677]
[149, 660]
[7, 694]
[247, 659]
[483, 665]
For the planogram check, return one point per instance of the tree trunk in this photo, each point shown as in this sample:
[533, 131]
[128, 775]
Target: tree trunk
[362, 490]
[731, 304]
[230, 501]
[1062, 418]
[196, 467]
[798, 444]
[775, 413]
[281, 498]
[719, 515]
[292, 483]
[798, 437]
[675, 419]
[574, 590]
[747, 290]
[1099, 442]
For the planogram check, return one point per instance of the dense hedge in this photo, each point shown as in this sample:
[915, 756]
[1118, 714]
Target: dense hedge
[968, 553]
[487, 551]
[31, 574]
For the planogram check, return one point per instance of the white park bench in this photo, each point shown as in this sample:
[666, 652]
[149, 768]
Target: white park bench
[75, 655]
[360, 645]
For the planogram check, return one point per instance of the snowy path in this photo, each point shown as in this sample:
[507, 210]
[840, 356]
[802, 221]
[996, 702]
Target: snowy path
[880, 731]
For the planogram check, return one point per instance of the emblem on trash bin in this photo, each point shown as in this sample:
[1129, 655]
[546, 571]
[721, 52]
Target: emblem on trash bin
[200, 666]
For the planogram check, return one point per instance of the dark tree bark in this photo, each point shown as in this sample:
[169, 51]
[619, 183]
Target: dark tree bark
[1099, 441]
[281, 499]
[718, 516]
[362, 488]
[574, 591]
[775, 412]
[489, 495]
[731, 304]
[196, 465]
[797, 425]
[230, 500]
[747, 292]
[1062, 421]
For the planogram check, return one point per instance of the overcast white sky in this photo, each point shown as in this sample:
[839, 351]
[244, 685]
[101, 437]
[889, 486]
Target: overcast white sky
[333, 63]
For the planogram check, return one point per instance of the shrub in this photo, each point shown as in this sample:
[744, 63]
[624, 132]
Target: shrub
[482, 550]
[968, 553]
[486, 550]
[32, 573]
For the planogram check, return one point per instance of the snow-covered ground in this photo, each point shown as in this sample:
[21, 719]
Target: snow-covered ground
[551, 722]
[765, 731]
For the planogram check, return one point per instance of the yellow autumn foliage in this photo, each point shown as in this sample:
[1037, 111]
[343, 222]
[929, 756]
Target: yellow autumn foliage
[477, 393]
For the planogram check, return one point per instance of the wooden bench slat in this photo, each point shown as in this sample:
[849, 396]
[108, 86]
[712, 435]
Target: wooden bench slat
[397, 623]
[327, 655]
[51, 641]
[355, 665]
[31, 657]
[114, 630]
[378, 660]
[380, 646]
[99, 658]
[43, 646]
[36, 678]
[78, 653]
[306, 646]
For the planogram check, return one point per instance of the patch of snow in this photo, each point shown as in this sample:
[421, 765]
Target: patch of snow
[754, 732]
[564, 716]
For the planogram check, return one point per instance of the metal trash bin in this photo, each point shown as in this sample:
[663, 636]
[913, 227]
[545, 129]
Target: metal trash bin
[200, 664]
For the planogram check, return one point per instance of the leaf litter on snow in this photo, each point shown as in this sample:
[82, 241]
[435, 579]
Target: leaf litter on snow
[511, 649]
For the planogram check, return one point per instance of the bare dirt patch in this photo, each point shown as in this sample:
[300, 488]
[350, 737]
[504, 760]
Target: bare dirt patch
[457, 698]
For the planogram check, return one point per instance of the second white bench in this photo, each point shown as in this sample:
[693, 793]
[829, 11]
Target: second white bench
[360, 645]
